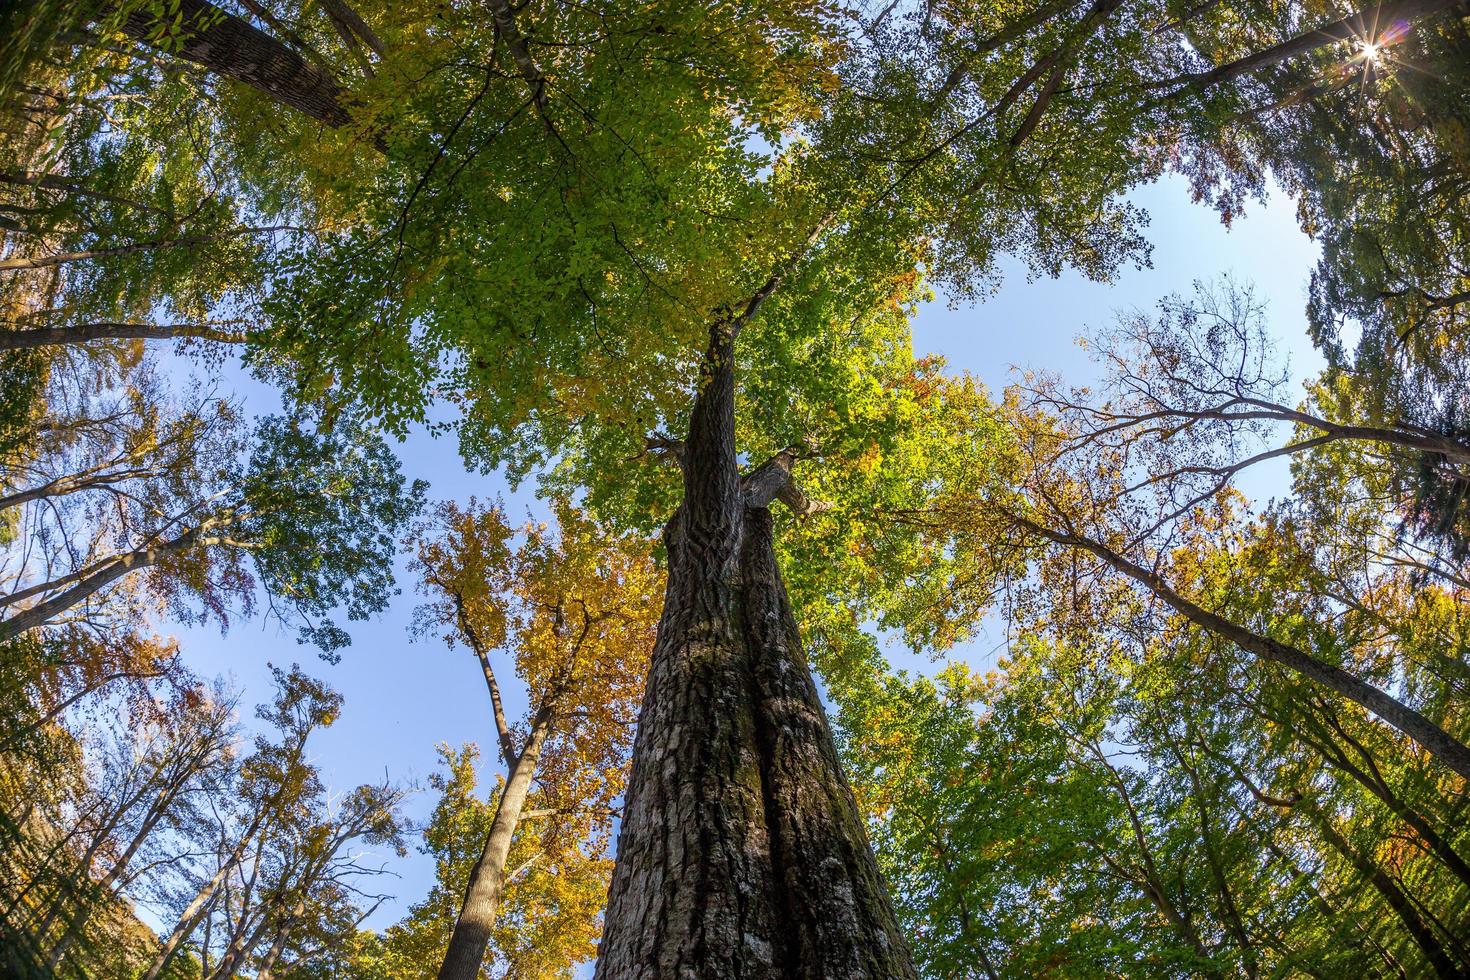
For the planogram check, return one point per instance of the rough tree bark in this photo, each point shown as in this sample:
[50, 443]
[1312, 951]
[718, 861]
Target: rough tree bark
[742, 853]
[228, 45]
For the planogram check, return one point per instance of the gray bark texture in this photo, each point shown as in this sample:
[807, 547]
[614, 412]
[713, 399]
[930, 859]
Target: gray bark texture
[741, 853]
[228, 45]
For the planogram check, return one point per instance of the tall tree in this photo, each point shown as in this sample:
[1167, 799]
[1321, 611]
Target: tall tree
[596, 225]
[573, 612]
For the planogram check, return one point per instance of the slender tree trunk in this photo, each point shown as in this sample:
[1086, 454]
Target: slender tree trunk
[741, 853]
[1372, 780]
[110, 883]
[15, 735]
[1367, 24]
[245, 931]
[247, 937]
[43, 612]
[1392, 894]
[76, 881]
[471, 934]
[1150, 882]
[76, 483]
[278, 943]
[60, 182]
[1213, 860]
[187, 923]
[228, 45]
[28, 262]
[268, 964]
[195, 910]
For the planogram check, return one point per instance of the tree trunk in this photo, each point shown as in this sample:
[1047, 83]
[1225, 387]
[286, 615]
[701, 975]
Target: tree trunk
[741, 853]
[43, 612]
[278, 943]
[1394, 896]
[194, 912]
[187, 923]
[228, 45]
[471, 934]
[244, 929]
[1372, 780]
[247, 937]
[1366, 25]
[111, 882]
[1214, 861]
[31, 338]
[28, 262]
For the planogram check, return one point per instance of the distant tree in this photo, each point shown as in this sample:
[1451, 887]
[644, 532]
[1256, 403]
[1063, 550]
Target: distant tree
[571, 611]
[99, 817]
[281, 884]
[195, 517]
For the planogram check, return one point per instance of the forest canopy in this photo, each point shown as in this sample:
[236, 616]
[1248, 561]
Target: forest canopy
[557, 374]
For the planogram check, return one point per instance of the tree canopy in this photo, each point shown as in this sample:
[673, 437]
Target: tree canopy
[661, 263]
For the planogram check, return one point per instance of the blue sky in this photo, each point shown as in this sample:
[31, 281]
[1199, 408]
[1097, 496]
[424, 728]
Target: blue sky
[403, 697]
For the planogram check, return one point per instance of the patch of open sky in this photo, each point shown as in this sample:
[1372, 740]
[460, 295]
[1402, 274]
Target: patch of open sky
[1034, 325]
[405, 696]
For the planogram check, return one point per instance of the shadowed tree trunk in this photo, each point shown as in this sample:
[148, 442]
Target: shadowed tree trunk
[1393, 896]
[742, 853]
[227, 45]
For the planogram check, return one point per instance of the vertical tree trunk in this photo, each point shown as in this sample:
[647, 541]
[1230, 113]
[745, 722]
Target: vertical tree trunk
[741, 853]
[242, 943]
[471, 934]
[246, 929]
[229, 46]
[1215, 862]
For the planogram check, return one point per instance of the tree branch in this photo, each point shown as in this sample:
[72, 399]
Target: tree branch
[1434, 739]
[32, 337]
